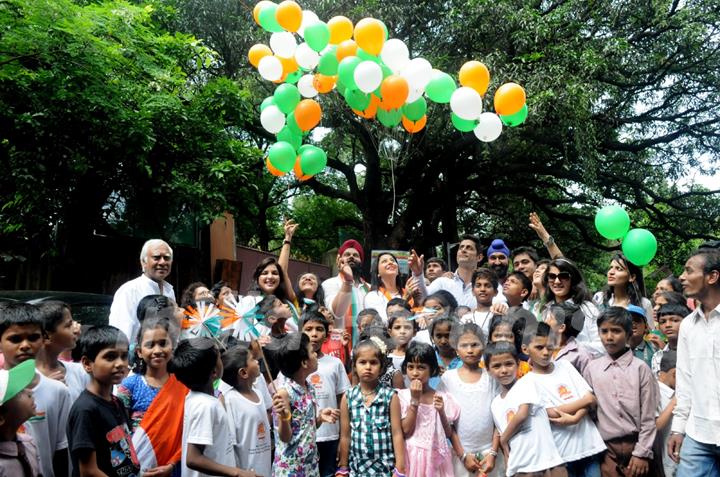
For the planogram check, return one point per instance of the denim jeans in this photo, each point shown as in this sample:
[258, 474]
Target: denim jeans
[587, 467]
[698, 459]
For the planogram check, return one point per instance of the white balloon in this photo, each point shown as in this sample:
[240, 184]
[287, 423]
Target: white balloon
[417, 72]
[306, 57]
[308, 18]
[466, 103]
[305, 86]
[395, 54]
[368, 75]
[283, 44]
[270, 68]
[414, 94]
[489, 127]
[272, 119]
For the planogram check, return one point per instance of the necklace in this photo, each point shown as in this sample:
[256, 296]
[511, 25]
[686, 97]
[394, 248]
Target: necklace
[367, 394]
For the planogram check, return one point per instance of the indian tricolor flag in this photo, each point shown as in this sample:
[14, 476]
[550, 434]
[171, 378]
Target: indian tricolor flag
[158, 438]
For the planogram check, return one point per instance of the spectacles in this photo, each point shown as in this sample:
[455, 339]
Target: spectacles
[563, 276]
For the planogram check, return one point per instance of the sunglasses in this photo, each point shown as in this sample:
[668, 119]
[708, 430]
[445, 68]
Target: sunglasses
[563, 276]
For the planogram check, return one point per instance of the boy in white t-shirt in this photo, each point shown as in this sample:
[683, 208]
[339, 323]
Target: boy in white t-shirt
[247, 411]
[207, 443]
[330, 383]
[567, 398]
[666, 405]
[21, 338]
[521, 418]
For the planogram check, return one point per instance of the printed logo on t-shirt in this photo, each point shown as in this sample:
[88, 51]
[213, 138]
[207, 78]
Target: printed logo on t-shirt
[261, 431]
[565, 393]
[316, 381]
[509, 415]
[122, 453]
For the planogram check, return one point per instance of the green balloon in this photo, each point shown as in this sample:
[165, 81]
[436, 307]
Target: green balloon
[386, 71]
[365, 56]
[317, 36]
[328, 64]
[463, 125]
[356, 99]
[312, 160]
[286, 97]
[415, 110]
[440, 88]
[287, 135]
[389, 118]
[269, 101]
[385, 29]
[612, 222]
[282, 156]
[513, 120]
[346, 70]
[268, 21]
[292, 124]
[639, 246]
[294, 77]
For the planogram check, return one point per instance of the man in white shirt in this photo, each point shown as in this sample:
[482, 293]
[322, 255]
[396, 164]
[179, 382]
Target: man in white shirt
[460, 285]
[156, 259]
[695, 433]
[345, 293]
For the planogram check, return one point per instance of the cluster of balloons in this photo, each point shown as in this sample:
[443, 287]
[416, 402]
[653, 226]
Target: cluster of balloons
[638, 245]
[373, 73]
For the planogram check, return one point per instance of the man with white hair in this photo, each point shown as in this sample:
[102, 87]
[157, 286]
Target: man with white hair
[156, 259]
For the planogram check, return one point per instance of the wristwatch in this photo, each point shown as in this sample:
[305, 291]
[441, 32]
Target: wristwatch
[550, 241]
[413, 402]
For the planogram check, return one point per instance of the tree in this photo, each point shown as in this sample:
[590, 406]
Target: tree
[106, 118]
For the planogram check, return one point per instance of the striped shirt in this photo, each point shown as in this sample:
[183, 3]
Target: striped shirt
[371, 444]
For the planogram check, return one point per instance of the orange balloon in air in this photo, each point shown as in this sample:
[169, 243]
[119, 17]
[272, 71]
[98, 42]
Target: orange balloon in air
[272, 169]
[259, 7]
[289, 65]
[257, 53]
[298, 171]
[323, 83]
[414, 126]
[370, 35]
[509, 99]
[289, 15]
[308, 114]
[345, 49]
[371, 110]
[394, 90]
[341, 29]
[475, 75]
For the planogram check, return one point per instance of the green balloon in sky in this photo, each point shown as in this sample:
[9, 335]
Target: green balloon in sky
[268, 21]
[462, 125]
[389, 118]
[312, 160]
[287, 96]
[317, 36]
[415, 110]
[440, 88]
[346, 71]
[513, 120]
[282, 156]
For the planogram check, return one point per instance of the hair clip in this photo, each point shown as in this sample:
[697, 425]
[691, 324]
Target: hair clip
[379, 343]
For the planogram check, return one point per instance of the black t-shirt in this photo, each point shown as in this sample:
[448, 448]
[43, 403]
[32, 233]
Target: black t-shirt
[102, 426]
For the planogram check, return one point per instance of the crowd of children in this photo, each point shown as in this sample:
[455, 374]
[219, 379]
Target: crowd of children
[432, 390]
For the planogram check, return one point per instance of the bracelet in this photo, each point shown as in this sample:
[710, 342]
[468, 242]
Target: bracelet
[286, 242]
[493, 452]
[676, 433]
[288, 418]
[462, 459]
[550, 241]
[397, 473]
[342, 471]
[414, 403]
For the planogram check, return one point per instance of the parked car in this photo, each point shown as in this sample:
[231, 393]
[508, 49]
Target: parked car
[87, 308]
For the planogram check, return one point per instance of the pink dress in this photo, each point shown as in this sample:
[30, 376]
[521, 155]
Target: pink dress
[428, 453]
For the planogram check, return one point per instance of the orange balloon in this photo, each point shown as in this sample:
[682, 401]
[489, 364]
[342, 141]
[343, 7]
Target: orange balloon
[298, 171]
[273, 170]
[257, 53]
[324, 84]
[370, 35]
[259, 7]
[345, 49]
[509, 99]
[289, 65]
[414, 126]
[475, 75]
[289, 15]
[341, 29]
[394, 90]
[371, 110]
[308, 114]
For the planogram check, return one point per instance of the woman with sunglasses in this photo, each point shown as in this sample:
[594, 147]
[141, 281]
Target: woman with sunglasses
[625, 286]
[563, 282]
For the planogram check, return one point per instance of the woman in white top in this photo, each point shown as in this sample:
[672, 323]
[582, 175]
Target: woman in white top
[563, 282]
[386, 285]
[625, 286]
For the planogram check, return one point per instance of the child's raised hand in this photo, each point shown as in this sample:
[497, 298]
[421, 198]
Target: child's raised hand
[438, 403]
[416, 389]
[329, 415]
[264, 340]
[281, 405]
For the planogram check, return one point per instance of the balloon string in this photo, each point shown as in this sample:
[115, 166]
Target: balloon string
[392, 180]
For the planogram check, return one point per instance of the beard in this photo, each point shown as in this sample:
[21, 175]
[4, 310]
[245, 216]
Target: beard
[500, 270]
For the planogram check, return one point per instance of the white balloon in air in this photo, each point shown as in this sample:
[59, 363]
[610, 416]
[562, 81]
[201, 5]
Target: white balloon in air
[306, 57]
[272, 119]
[283, 44]
[466, 103]
[395, 54]
[308, 18]
[368, 76]
[417, 72]
[305, 86]
[270, 68]
[489, 128]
